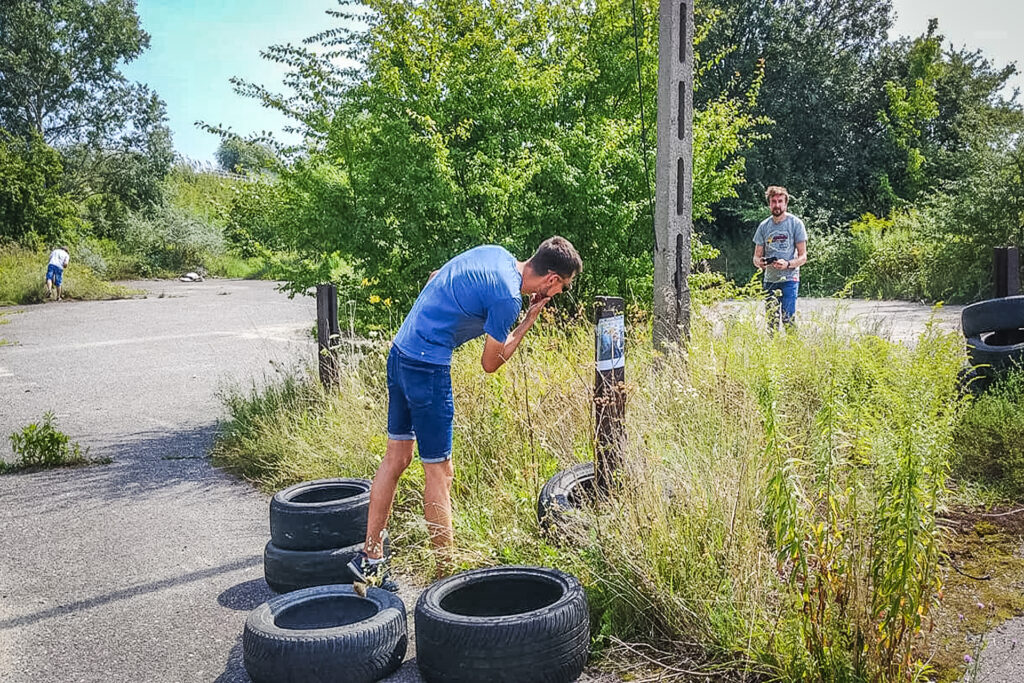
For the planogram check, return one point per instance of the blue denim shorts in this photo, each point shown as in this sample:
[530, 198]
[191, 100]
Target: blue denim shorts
[420, 405]
[54, 273]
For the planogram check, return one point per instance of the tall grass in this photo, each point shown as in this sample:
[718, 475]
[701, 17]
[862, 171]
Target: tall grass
[23, 276]
[778, 515]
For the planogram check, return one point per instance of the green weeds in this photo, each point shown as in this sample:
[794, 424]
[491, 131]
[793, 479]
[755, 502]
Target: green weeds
[988, 442]
[777, 516]
[42, 446]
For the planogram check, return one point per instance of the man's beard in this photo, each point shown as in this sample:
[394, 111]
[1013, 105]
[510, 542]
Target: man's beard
[777, 212]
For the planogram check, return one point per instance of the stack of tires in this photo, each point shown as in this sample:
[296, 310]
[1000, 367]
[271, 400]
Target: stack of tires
[995, 334]
[316, 527]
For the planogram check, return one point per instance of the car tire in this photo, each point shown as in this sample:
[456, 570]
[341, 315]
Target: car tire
[991, 315]
[291, 570]
[327, 633]
[997, 357]
[568, 490]
[321, 514]
[506, 624]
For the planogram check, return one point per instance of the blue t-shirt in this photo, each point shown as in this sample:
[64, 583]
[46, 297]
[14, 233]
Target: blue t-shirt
[477, 291]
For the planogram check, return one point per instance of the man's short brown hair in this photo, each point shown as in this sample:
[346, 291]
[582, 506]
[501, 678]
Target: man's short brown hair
[556, 255]
[774, 190]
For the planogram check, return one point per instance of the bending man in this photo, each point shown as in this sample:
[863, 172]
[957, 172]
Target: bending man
[477, 292]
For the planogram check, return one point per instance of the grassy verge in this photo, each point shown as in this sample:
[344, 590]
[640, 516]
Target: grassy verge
[232, 266]
[806, 472]
[22, 280]
[989, 441]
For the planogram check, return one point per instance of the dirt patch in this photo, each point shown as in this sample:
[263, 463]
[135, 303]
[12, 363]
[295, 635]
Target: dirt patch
[982, 577]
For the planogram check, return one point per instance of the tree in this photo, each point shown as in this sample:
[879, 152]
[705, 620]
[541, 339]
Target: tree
[235, 155]
[31, 201]
[911, 105]
[59, 67]
[467, 122]
[60, 79]
[819, 57]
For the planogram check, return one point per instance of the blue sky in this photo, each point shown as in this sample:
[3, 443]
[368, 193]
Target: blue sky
[197, 45]
[991, 25]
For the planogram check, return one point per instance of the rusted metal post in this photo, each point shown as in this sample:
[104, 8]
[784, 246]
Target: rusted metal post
[1007, 271]
[327, 333]
[609, 388]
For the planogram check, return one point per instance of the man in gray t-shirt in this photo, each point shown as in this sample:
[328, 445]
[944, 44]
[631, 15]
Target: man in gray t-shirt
[780, 248]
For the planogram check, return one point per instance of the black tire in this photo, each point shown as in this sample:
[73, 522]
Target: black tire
[568, 490]
[322, 634]
[322, 514]
[506, 624]
[972, 380]
[290, 570]
[999, 358]
[991, 315]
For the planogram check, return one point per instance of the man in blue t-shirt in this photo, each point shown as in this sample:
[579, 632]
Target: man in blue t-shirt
[780, 248]
[478, 292]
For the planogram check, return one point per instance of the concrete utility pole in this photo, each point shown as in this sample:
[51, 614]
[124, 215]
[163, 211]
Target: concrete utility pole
[673, 197]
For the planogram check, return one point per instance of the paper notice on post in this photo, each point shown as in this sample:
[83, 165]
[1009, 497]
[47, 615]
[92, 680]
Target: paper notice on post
[611, 343]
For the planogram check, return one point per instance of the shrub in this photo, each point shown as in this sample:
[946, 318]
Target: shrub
[171, 241]
[988, 442]
[42, 445]
[833, 259]
[31, 200]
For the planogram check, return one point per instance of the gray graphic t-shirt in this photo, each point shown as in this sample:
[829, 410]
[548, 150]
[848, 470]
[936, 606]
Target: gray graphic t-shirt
[780, 240]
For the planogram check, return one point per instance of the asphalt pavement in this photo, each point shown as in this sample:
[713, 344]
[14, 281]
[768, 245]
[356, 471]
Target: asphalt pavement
[144, 569]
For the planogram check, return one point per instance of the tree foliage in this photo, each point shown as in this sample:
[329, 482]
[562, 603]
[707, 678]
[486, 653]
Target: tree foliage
[59, 71]
[235, 155]
[861, 123]
[60, 81]
[818, 58]
[31, 200]
[462, 122]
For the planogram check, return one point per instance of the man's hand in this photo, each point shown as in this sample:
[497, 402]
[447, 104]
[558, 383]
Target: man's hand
[537, 303]
[758, 262]
[780, 264]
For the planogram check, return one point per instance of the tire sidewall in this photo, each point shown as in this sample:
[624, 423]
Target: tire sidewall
[554, 504]
[512, 640]
[992, 315]
[319, 525]
[360, 652]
